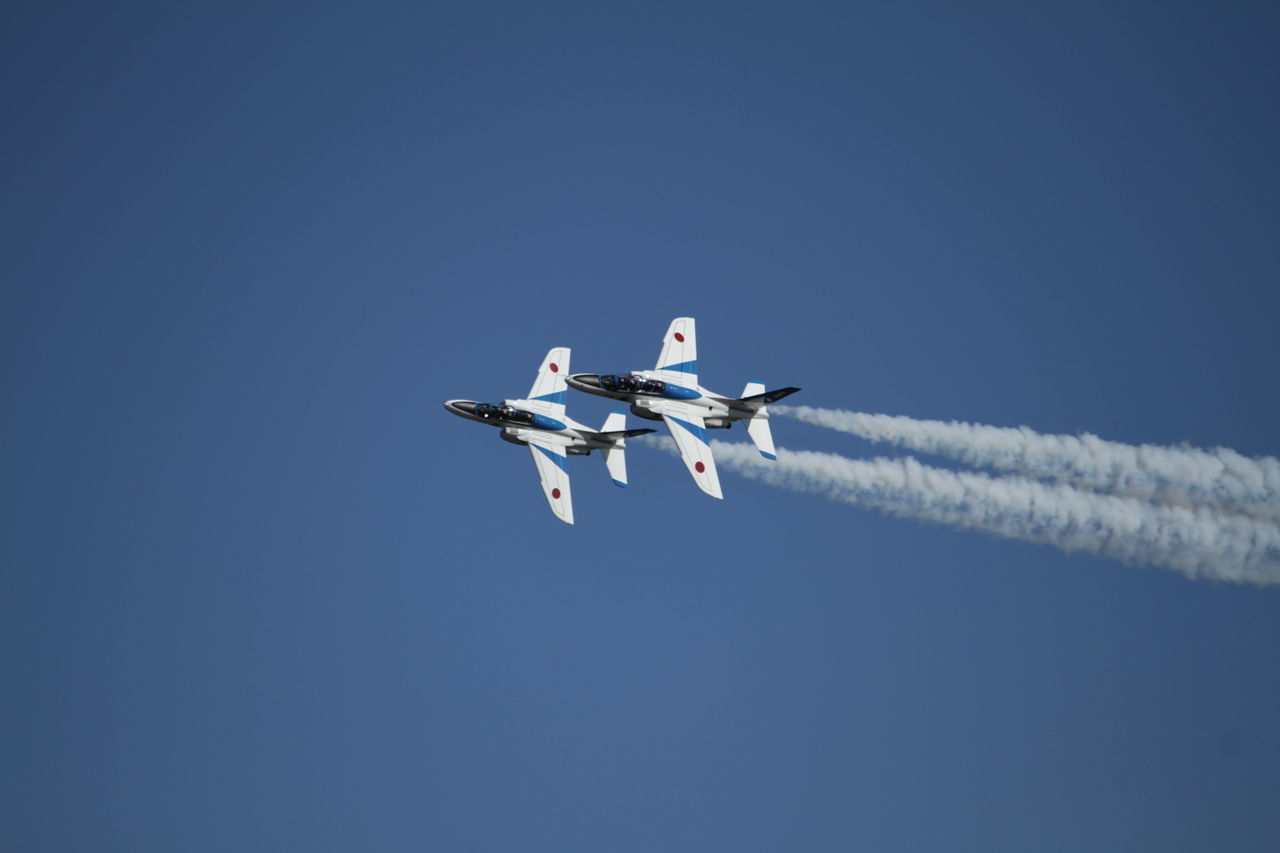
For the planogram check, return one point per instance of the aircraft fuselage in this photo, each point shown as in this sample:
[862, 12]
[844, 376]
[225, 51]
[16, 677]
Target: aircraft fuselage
[648, 396]
[517, 423]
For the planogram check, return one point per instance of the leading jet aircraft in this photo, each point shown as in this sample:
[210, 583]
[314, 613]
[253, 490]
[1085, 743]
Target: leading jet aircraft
[540, 423]
[671, 393]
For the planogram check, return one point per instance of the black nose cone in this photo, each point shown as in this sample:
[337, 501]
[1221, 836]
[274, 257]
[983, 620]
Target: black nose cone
[591, 380]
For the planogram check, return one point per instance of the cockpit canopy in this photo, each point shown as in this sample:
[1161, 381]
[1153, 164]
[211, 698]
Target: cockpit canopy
[628, 384]
[494, 412]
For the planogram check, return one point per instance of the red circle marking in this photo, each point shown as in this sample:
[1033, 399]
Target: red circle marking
[555, 368]
[699, 467]
[679, 337]
[555, 493]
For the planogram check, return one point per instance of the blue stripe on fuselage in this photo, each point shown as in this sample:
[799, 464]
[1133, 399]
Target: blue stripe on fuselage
[545, 422]
[679, 392]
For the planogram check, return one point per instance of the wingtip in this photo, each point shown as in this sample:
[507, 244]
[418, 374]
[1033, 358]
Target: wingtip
[717, 494]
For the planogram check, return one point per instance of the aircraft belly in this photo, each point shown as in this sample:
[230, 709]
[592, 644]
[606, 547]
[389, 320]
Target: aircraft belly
[564, 439]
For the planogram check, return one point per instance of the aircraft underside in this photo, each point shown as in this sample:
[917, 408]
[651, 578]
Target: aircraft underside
[669, 393]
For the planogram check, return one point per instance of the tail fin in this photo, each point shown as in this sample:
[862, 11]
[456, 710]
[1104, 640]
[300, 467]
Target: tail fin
[758, 426]
[615, 459]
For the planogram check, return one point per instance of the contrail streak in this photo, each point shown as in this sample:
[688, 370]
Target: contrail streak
[1198, 542]
[1181, 476]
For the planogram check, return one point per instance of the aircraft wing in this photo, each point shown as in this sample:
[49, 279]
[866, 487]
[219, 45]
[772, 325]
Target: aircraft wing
[547, 396]
[553, 471]
[678, 362]
[690, 433]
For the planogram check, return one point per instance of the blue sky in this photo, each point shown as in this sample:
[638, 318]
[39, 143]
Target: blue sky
[262, 592]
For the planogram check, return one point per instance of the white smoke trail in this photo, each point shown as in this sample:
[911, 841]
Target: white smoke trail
[1199, 542]
[1181, 476]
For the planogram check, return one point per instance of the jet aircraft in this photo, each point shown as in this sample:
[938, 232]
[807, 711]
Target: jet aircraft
[671, 393]
[541, 424]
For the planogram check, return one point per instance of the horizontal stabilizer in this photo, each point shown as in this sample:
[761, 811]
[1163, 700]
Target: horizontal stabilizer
[623, 433]
[615, 428]
[615, 462]
[757, 400]
[615, 459]
[761, 436]
[769, 396]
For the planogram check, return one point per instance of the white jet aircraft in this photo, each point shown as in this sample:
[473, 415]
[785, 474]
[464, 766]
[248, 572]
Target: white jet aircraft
[540, 422]
[671, 393]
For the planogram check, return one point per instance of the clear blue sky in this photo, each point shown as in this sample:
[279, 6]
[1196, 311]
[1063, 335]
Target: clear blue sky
[261, 592]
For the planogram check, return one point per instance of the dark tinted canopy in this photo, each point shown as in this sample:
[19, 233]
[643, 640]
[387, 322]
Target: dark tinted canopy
[629, 384]
[492, 411]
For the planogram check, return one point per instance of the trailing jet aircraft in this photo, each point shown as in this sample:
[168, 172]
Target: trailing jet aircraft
[551, 436]
[671, 393]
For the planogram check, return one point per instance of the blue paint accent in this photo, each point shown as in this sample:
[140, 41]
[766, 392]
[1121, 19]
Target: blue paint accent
[544, 422]
[620, 484]
[555, 457]
[698, 432]
[679, 392]
[768, 456]
[683, 367]
[557, 397]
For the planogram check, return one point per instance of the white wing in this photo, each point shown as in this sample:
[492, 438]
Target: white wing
[690, 433]
[679, 359]
[547, 396]
[553, 471]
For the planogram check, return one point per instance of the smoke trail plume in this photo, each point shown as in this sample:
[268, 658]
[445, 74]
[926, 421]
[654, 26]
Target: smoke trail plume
[1181, 476]
[1198, 542]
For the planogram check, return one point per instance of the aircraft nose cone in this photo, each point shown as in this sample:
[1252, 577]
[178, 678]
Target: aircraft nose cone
[591, 380]
[464, 406]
